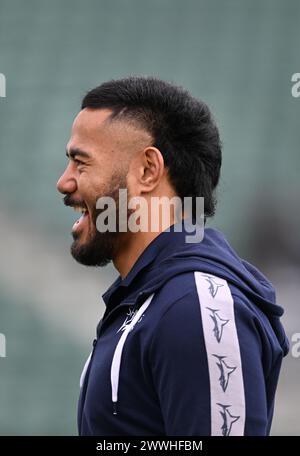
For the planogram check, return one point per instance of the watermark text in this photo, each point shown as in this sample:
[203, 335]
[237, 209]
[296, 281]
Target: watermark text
[296, 86]
[2, 85]
[2, 346]
[151, 215]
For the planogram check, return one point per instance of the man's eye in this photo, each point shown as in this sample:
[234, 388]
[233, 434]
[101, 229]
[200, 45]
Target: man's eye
[77, 162]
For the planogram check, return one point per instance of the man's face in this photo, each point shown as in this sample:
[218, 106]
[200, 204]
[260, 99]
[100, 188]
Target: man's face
[99, 153]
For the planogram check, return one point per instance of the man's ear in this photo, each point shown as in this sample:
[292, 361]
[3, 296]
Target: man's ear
[151, 169]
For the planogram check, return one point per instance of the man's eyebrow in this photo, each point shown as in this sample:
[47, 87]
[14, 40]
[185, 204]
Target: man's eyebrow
[72, 153]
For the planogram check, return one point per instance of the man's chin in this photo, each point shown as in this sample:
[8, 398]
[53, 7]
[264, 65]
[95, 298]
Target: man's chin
[96, 252]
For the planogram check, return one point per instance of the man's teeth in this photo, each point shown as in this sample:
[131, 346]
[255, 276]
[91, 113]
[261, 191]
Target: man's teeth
[81, 209]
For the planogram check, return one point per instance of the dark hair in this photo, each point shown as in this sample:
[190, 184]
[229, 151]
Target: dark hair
[181, 126]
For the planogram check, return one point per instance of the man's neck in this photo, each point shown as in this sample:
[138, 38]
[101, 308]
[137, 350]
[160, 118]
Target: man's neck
[132, 250]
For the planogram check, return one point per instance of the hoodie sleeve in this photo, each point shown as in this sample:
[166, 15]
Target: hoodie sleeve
[196, 364]
[180, 370]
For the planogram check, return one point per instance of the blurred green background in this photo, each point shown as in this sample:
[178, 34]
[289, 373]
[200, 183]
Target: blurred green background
[236, 55]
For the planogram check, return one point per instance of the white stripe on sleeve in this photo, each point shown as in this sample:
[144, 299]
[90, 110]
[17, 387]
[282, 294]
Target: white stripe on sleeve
[223, 354]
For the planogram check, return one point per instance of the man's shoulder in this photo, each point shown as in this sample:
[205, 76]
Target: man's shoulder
[191, 287]
[177, 287]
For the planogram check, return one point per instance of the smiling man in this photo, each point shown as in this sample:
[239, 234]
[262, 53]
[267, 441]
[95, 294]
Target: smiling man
[190, 342]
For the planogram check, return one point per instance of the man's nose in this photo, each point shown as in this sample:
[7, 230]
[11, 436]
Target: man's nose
[67, 182]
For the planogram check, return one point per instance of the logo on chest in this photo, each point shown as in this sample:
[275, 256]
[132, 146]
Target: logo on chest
[129, 317]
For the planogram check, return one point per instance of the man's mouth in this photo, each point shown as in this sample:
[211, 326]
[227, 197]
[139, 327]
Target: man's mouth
[83, 220]
[80, 208]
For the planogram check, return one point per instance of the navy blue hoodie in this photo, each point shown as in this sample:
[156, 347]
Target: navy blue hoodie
[190, 344]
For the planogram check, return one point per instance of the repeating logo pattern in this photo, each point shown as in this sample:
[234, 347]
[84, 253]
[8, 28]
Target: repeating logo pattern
[222, 359]
[213, 285]
[228, 419]
[219, 323]
[225, 371]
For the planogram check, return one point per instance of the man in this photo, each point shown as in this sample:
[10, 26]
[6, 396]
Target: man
[190, 342]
